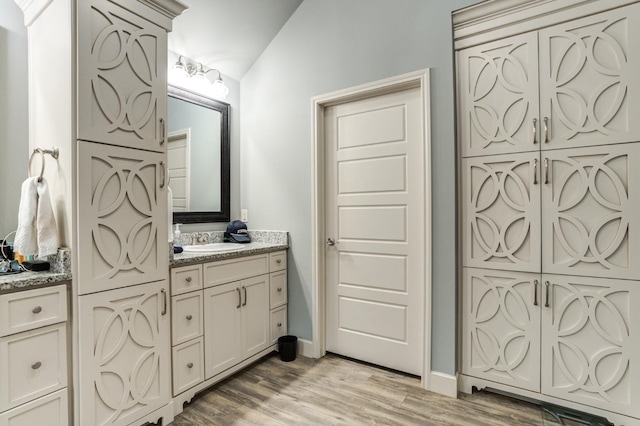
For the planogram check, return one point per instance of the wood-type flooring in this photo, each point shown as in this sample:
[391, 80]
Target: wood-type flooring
[339, 391]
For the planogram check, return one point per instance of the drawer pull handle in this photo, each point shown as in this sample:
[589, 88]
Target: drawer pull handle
[279, 289]
[279, 261]
[279, 324]
[36, 365]
[37, 309]
[189, 317]
[188, 279]
[190, 365]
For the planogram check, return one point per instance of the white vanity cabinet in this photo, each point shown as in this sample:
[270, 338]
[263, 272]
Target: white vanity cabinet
[242, 303]
[33, 357]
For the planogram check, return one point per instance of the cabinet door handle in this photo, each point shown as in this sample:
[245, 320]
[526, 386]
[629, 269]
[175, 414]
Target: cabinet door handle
[188, 279]
[546, 170]
[189, 317]
[279, 324]
[190, 365]
[279, 289]
[279, 261]
[164, 301]
[535, 171]
[535, 292]
[36, 365]
[546, 130]
[239, 298]
[163, 170]
[244, 290]
[534, 129]
[163, 131]
[546, 294]
[37, 309]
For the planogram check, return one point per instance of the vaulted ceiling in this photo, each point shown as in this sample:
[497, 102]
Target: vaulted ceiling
[228, 35]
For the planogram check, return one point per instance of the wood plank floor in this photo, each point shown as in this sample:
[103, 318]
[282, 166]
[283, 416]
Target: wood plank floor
[339, 391]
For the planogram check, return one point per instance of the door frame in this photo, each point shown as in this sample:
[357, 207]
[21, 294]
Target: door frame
[417, 79]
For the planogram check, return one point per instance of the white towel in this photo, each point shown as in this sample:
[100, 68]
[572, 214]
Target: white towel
[170, 213]
[37, 233]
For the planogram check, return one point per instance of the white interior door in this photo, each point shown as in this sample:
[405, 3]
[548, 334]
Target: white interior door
[178, 155]
[375, 213]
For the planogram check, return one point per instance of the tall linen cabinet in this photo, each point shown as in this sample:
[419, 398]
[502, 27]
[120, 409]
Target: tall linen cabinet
[548, 114]
[98, 92]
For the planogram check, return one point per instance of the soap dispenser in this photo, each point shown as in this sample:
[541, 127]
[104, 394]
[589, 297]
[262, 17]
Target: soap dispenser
[177, 247]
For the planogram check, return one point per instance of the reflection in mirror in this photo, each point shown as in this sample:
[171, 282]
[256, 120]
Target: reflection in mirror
[198, 157]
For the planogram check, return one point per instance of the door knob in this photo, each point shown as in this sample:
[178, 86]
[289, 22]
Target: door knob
[331, 241]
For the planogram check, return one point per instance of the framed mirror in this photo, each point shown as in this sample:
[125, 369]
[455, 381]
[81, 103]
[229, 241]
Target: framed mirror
[198, 157]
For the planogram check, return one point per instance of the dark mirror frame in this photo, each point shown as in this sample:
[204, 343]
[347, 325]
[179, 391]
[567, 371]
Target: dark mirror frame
[225, 168]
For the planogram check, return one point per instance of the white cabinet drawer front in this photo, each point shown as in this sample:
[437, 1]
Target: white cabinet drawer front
[32, 364]
[186, 321]
[225, 271]
[31, 309]
[188, 365]
[50, 410]
[278, 261]
[185, 279]
[278, 289]
[278, 323]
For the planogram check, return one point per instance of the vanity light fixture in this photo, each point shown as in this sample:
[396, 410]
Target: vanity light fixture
[194, 77]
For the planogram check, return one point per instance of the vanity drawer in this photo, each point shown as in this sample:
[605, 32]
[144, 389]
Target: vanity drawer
[185, 279]
[278, 323]
[29, 309]
[52, 410]
[226, 271]
[186, 321]
[278, 261]
[278, 289]
[188, 365]
[32, 364]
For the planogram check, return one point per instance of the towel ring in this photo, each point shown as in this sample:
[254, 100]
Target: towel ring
[54, 152]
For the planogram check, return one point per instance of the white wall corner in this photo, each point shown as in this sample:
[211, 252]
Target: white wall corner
[444, 384]
[306, 348]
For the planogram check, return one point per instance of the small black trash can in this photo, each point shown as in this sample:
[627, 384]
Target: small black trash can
[287, 346]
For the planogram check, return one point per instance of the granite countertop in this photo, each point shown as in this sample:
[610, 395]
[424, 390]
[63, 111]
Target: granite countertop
[60, 272]
[247, 250]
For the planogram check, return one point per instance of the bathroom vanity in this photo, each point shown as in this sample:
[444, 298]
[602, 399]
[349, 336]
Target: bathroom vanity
[227, 311]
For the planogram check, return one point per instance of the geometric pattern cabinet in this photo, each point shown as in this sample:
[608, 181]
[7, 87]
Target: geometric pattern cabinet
[123, 227]
[122, 92]
[125, 360]
[548, 114]
[591, 342]
[590, 211]
[588, 79]
[501, 327]
[498, 96]
[501, 212]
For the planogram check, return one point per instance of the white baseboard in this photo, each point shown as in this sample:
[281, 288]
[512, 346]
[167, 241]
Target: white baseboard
[444, 384]
[305, 348]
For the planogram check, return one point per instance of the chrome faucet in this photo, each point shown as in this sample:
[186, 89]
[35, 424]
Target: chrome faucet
[199, 239]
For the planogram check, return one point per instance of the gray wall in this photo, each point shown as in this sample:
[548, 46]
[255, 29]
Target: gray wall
[14, 131]
[329, 45]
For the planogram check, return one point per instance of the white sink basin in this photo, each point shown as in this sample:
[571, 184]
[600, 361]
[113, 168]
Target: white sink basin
[212, 247]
